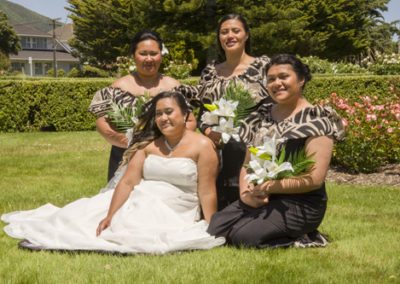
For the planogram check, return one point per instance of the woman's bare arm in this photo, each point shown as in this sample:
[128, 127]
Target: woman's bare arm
[207, 167]
[130, 179]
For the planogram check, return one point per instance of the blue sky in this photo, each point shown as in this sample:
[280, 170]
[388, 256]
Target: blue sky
[55, 8]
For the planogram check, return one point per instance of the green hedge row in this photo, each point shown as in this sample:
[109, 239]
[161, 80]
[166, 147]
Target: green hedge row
[61, 105]
[57, 105]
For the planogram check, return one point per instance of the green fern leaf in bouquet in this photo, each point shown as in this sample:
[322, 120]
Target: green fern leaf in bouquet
[123, 118]
[239, 92]
[301, 163]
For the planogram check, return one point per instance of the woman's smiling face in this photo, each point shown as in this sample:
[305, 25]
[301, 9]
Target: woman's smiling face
[283, 83]
[232, 35]
[147, 57]
[169, 116]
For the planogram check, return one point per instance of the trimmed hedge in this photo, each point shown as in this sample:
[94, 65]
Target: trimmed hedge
[57, 105]
[61, 105]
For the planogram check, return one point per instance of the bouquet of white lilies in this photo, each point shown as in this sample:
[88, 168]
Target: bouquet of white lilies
[266, 164]
[225, 114]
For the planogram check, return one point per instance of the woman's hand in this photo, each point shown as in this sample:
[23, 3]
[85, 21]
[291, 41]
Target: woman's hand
[104, 224]
[253, 200]
[260, 190]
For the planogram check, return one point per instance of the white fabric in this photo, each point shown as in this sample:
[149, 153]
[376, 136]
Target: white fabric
[161, 215]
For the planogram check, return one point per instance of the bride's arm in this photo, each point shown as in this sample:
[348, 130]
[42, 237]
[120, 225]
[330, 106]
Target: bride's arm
[207, 168]
[132, 177]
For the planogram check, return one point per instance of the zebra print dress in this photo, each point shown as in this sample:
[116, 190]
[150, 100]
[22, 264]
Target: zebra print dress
[287, 218]
[102, 103]
[212, 87]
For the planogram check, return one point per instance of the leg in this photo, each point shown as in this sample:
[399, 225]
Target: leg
[278, 223]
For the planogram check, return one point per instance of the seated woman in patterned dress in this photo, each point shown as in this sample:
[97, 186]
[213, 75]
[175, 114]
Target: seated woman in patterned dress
[235, 65]
[277, 212]
[146, 49]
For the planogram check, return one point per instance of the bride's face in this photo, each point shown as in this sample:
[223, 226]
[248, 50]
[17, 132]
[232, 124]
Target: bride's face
[169, 117]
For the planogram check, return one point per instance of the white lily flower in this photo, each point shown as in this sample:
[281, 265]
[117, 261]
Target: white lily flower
[226, 108]
[270, 146]
[227, 130]
[273, 169]
[266, 170]
[209, 118]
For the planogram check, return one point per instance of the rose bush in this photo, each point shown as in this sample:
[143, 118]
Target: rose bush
[372, 132]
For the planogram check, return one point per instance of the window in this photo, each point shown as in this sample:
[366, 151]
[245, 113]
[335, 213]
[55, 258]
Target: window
[18, 66]
[33, 43]
[38, 69]
[47, 67]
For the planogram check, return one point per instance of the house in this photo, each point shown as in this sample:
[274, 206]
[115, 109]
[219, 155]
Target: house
[37, 55]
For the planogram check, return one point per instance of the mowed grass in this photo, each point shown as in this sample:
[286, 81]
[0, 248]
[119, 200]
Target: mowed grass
[363, 223]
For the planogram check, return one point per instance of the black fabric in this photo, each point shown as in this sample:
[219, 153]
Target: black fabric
[281, 222]
[115, 158]
[232, 158]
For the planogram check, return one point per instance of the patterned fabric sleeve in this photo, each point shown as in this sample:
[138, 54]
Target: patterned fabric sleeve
[311, 121]
[191, 93]
[104, 98]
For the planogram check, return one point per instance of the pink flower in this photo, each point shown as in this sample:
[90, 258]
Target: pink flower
[370, 117]
[390, 130]
[379, 107]
[345, 122]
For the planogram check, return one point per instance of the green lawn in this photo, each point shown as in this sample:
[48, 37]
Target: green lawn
[35, 168]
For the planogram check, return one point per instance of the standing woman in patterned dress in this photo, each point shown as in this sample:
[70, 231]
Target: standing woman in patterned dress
[236, 65]
[146, 49]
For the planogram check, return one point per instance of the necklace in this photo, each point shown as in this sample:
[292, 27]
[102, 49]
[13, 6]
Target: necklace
[171, 149]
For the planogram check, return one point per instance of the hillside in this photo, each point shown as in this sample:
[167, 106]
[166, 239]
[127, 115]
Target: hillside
[18, 14]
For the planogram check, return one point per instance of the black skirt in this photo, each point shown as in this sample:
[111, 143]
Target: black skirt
[232, 157]
[116, 155]
[282, 220]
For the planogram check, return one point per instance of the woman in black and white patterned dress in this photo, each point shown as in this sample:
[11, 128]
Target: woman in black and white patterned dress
[277, 212]
[236, 66]
[146, 48]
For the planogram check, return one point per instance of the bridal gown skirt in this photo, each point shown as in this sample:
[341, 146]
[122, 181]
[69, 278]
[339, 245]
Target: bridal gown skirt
[161, 215]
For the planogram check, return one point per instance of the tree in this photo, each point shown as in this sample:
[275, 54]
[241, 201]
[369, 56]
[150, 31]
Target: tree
[331, 29]
[9, 41]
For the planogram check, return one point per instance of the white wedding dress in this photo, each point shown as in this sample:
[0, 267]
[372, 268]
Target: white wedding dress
[161, 215]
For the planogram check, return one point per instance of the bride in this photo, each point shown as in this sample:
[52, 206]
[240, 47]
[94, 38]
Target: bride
[155, 207]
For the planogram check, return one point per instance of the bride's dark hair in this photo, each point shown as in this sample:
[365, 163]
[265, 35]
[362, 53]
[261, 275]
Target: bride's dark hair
[146, 129]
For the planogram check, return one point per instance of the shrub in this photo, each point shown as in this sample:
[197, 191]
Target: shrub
[91, 71]
[60, 73]
[179, 60]
[322, 66]
[73, 73]
[386, 64]
[125, 65]
[178, 70]
[59, 105]
[4, 63]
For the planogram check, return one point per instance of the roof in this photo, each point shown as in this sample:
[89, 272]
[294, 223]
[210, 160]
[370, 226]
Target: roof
[39, 55]
[24, 30]
[64, 33]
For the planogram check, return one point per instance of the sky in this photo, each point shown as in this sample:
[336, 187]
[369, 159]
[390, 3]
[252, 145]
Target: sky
[55, 9]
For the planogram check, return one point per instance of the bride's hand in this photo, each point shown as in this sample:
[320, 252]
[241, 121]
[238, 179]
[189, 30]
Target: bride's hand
[104, 224]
